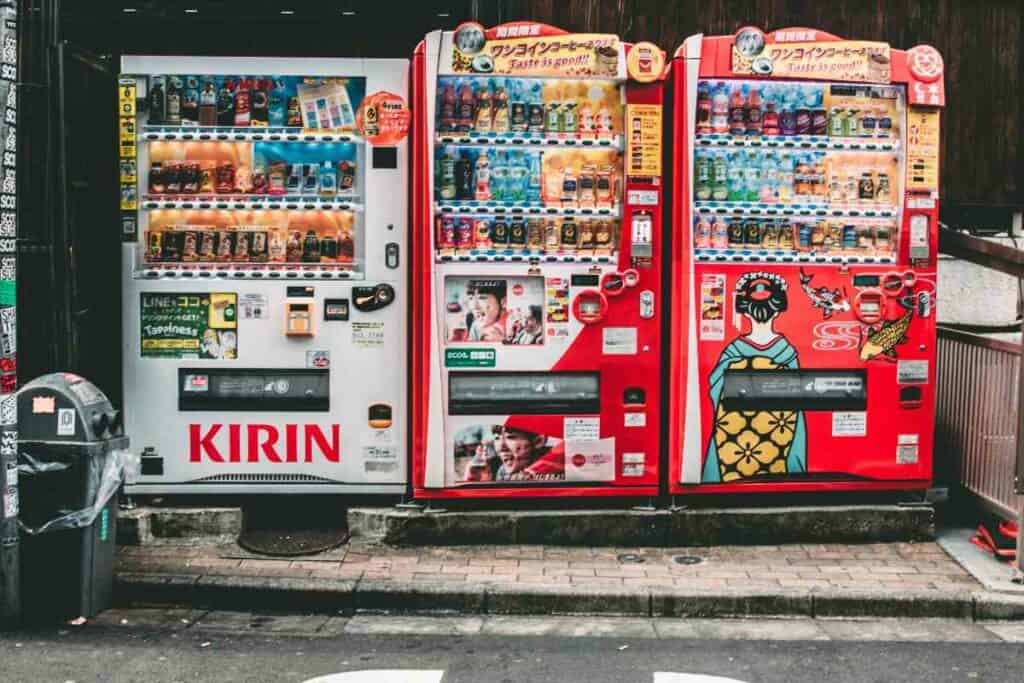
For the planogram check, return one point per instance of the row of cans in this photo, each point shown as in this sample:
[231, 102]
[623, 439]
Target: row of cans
[194, 244]
[718, 232]
[537, 234]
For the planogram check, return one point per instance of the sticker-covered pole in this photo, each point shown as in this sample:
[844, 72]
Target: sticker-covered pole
[10, 585]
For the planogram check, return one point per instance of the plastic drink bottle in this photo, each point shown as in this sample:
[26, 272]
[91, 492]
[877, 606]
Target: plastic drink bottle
[467, 108]
[754, 123]
[770, 124]
[752, 176]
[533, 187]
[737, 191]
[719, 177]
[803, 112]
[500, 122]
[482, 123]
[482, 192]
[720, 109]
[498, 175]
[702, 186]
[448, 112]
[786, 173]
[517, 177]
[769, 179]
[737, 113]
[703, 109]
[787, 116]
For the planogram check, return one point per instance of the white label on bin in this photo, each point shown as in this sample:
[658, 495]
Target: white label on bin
[11, 503]
[66, 422]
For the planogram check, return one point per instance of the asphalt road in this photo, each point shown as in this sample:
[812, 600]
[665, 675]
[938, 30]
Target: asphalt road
[162, 646]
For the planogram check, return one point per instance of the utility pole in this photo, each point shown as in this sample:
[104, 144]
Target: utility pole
[10, 584]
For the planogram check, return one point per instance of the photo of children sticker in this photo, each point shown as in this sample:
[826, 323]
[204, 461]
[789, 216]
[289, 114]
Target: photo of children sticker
[495, 310]
[507, 453]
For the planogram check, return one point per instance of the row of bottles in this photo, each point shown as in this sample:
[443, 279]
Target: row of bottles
[504, 106]
[810, 177]
[467, 174]
[783, 109]
[594, 236]
[821, 236]
[276, 177]
[246, 244]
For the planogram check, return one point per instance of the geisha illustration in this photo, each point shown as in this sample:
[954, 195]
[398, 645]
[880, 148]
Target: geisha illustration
[755, 443]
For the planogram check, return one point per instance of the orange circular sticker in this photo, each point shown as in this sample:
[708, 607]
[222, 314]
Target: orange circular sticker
[645, 62]
[925, 62]
[383, 118]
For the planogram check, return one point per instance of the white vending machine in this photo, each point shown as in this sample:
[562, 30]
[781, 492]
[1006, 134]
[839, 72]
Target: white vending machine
[265, 223]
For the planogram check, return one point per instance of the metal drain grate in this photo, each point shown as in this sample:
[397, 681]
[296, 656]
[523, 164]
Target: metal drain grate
[630, 558]
[687, 559]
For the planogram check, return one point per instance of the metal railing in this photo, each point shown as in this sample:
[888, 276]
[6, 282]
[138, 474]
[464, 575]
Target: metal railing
[997, 412]
[976, 416]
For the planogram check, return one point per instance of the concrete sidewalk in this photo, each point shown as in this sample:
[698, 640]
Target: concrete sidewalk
[868, 580]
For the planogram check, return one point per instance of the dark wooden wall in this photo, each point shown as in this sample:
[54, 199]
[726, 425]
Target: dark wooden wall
[982, 42]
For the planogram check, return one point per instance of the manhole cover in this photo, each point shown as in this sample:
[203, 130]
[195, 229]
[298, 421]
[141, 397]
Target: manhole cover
[630, 558]
[687, 559]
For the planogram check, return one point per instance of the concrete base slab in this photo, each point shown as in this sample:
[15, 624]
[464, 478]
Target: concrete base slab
[659, 528]
[906, 630]
[165, 619]
[148, 525]
[740, 629]
[990, 572]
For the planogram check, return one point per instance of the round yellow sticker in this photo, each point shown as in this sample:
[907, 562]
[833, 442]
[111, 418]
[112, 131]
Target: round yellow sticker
[645, 62]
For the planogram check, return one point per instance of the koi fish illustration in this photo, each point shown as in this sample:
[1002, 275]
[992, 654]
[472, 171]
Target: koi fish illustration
[882, 341]
[829, 301]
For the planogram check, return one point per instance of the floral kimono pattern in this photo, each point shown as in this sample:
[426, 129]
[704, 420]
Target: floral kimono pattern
[754, 443]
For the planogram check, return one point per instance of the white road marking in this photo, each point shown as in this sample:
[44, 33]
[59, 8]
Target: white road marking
[670, 677]
[382, 676]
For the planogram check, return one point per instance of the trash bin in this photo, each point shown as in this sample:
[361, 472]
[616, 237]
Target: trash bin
[72, 455]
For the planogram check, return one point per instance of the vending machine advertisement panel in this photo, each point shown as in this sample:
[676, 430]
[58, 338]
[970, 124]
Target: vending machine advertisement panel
[264, 218]
[536, 315]
[804, 239]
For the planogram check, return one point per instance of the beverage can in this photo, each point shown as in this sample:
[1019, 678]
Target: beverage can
[735, 231]
[785, 235]
[154, 246]
[499, 232]
[865, 238]
[720, 233]
[849, 237]
[702, 233]
[258, 246]
[190, 246]
[482, 233]
[517, 233]
[464, 230]
[804, 236]
[603, 236]
[552, 235]
[586, 235]
[208, 245]
[770, 235]
[242, 241]
[752, 231]
[329, 248]
[534, 234]
[569, 235]
[171, 245]
[446, 232]
[225, 245]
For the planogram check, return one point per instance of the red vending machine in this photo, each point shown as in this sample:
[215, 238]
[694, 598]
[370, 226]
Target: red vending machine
[803, 277]
[538, 193]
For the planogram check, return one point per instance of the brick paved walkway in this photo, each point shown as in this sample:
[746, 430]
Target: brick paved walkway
[896, 567]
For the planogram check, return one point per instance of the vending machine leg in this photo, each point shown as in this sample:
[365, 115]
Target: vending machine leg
[650, 507]
[1018, 564]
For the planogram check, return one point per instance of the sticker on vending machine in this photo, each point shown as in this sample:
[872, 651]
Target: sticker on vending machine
[368, 335]
[590, 460]
[379, 459]
[635, 419]
[906, 449]
[618, 341]
[581, 428]
[318, 359]
[712, 307]
[912, 371]
[850, 423]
